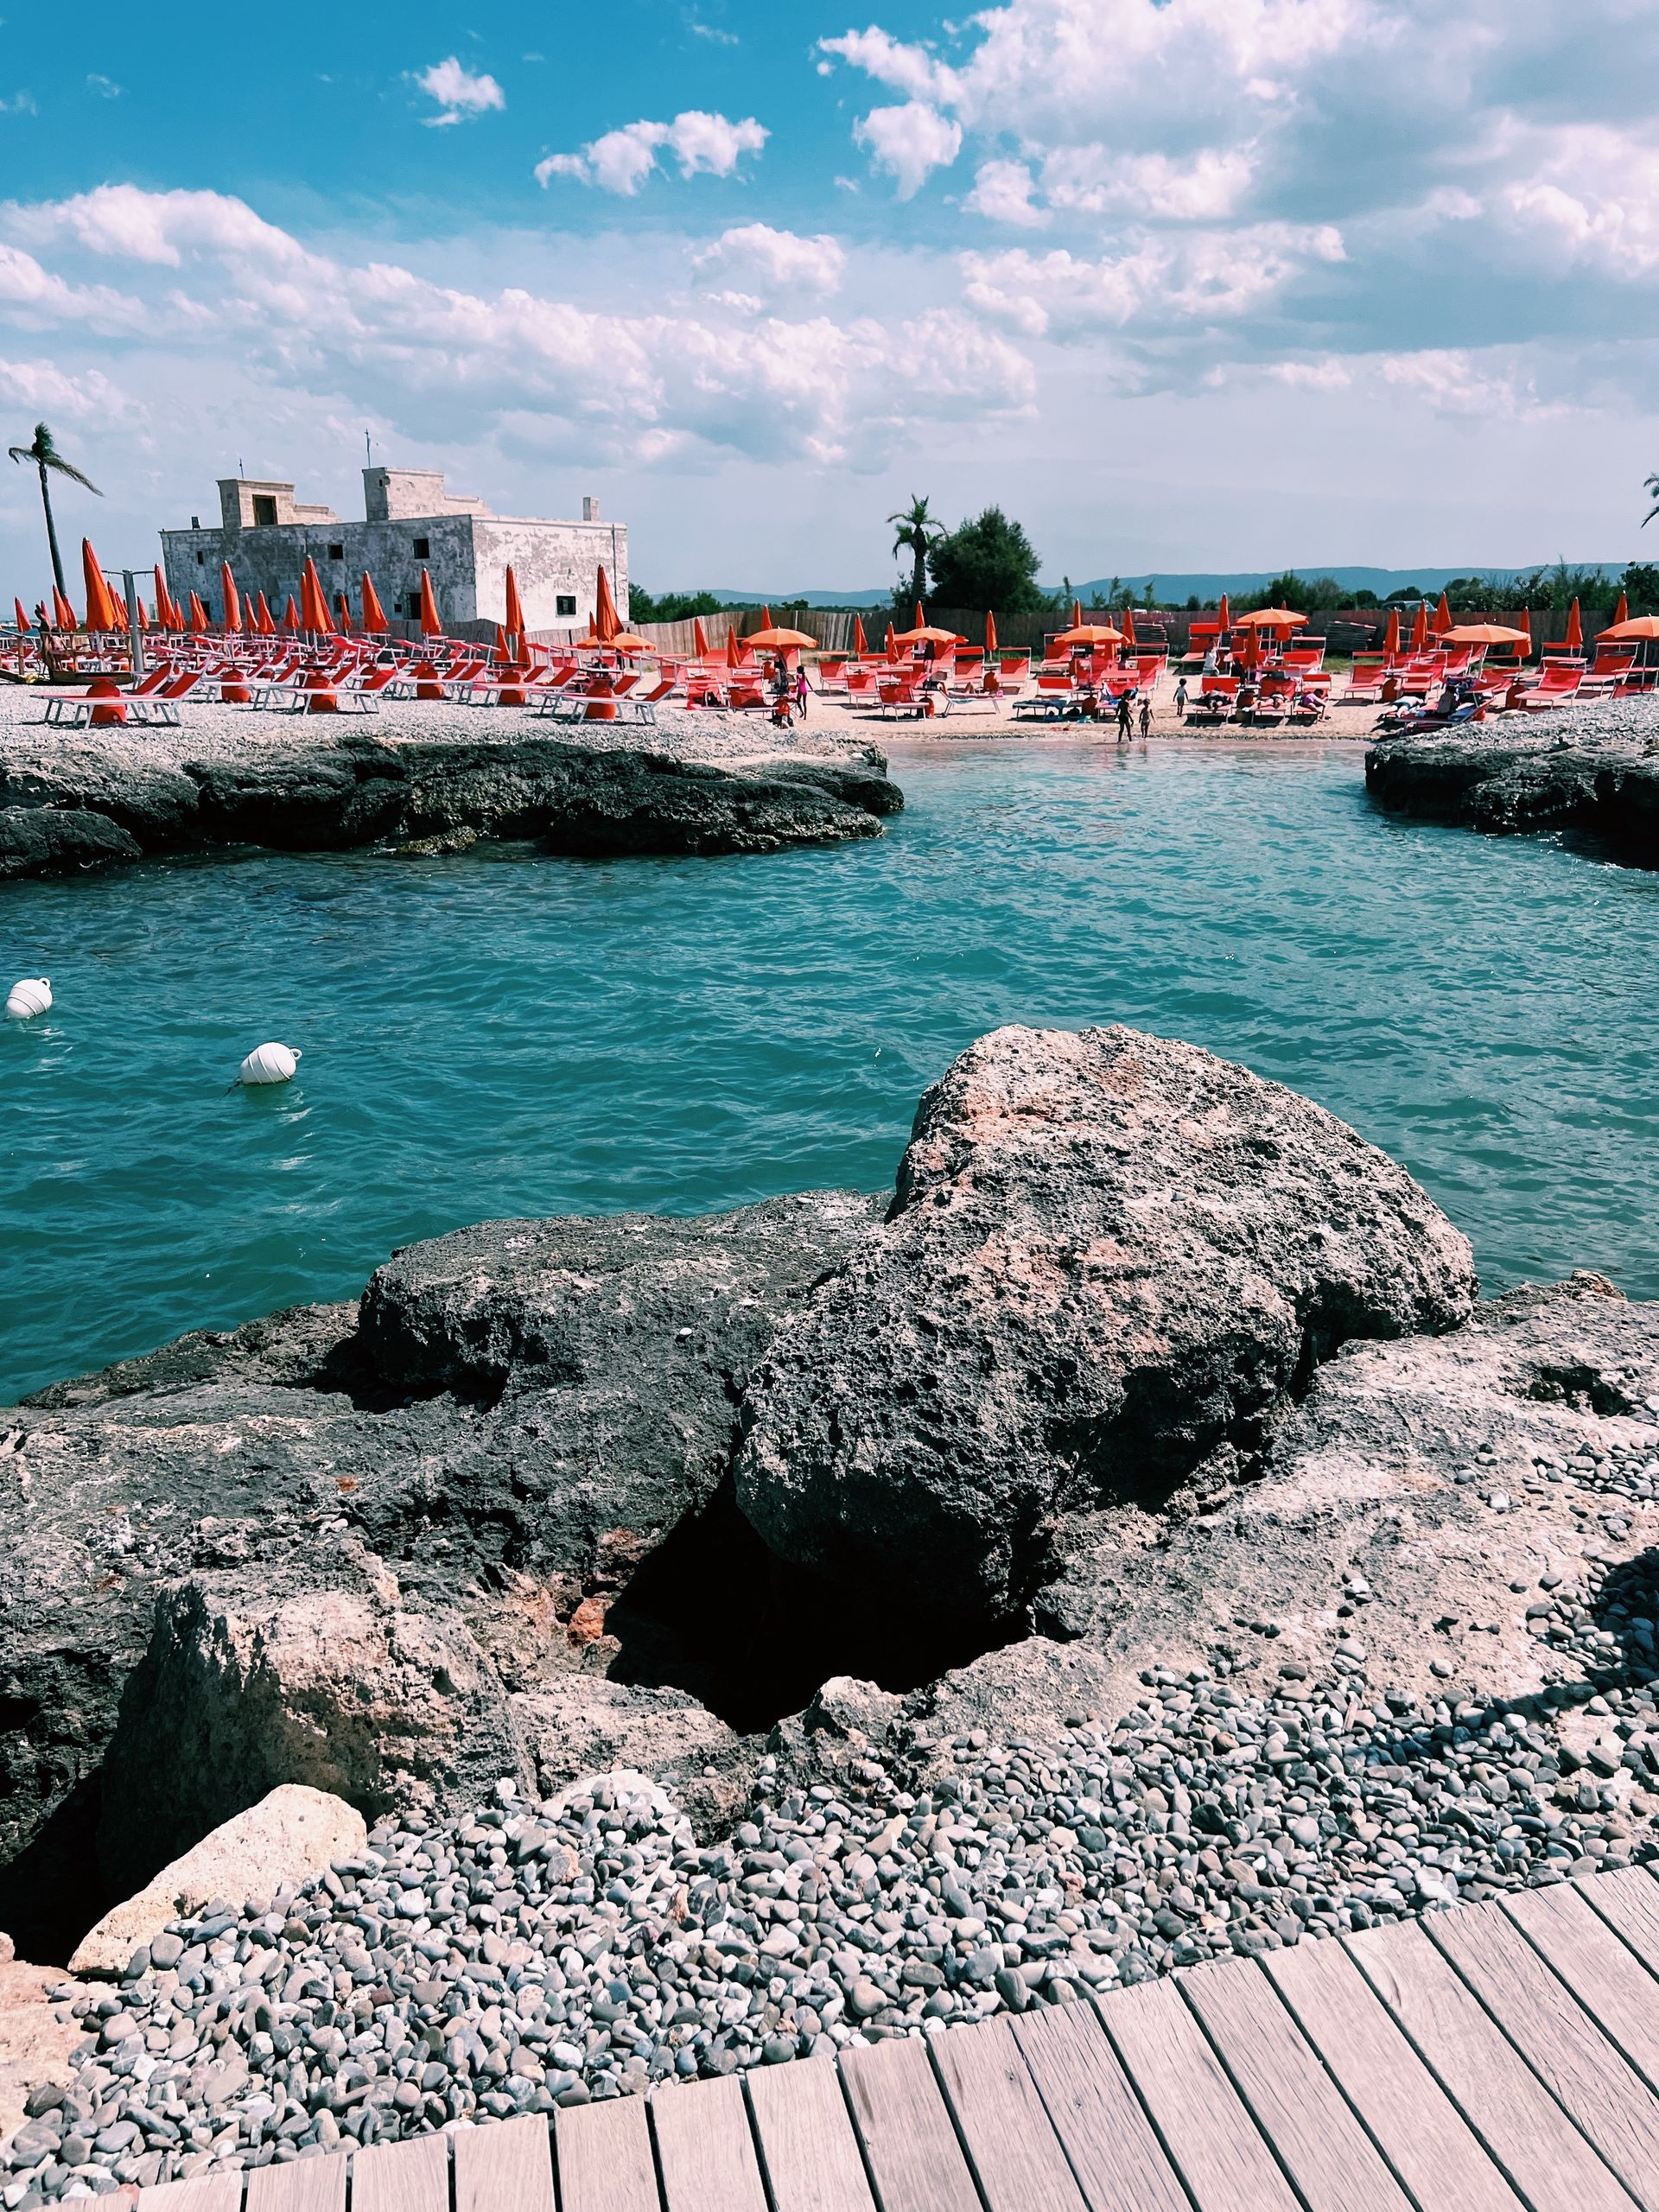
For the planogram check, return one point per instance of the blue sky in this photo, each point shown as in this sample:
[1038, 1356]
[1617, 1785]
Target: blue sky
[1183, 283]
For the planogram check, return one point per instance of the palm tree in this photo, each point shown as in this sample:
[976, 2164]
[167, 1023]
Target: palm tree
[917, 534]
[46, 456]
[1651, 487]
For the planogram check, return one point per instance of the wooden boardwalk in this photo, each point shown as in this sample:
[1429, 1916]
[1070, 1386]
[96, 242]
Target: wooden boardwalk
[1491, 2058]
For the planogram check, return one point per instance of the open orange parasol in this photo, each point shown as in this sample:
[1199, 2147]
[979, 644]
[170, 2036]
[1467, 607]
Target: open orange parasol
[1633, 628]
[232, 604]
[374, 615]
[100, 607]
[778, 640]
[929, 633]
[1483, 633]
[1088, 633]
[1270, 618]
[430, 626]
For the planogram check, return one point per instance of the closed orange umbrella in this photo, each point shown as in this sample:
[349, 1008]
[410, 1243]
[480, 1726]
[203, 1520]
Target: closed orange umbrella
[501, 653]
[430, 626]
[249, 627]
[343, 613]
[699, 639]
[232, 604]
[990, 632]
[860, 643]
[63, 614]
[1621, 613]
[1525, 625]
[198, 623]
[263, 622]
[766, 617]
[515, 622]
[292, 618]
[1249, 645]
[1442, 621]
[1575, 629]
[100, 607]
[607, 621]
[892, 646]
[1420, 628]
[163, 601]
[1128, 627]
[314, 607]
[1391, 637]
[1223, 618]
[374, 615]
[22, 619]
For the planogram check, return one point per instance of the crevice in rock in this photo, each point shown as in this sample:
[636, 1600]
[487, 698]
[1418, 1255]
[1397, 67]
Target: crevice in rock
[52, 1892]
[1580, 1386]
[716, 1614]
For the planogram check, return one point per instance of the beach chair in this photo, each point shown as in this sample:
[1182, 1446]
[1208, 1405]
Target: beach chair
[1558, 683]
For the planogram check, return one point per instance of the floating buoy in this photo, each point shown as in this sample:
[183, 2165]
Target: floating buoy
[30, 996]
[269, 1063]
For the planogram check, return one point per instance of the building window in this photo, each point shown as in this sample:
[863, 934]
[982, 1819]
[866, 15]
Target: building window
[414, 607]
[336, 552]
[423, 549]
[567, 602]
[200, 559]
[264, 510]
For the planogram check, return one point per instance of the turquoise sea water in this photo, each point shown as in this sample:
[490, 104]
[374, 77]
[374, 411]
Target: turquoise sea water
[486, 1036]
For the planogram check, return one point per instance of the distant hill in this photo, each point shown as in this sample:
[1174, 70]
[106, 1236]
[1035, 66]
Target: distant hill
[1178, 587]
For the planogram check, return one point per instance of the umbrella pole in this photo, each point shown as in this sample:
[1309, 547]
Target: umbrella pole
[135, 627]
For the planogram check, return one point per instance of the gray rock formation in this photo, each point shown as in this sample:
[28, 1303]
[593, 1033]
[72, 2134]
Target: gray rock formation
[1539, 772]
[96, 806]
[319, 1673]
[1110, 1257]
[272, 1444]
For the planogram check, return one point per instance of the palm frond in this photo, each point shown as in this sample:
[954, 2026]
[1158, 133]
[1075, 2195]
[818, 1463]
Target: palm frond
[56, 461]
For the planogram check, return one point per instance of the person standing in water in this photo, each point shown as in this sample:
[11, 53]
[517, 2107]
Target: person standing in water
[1125, 728]
[801, 690]
[1146, 717]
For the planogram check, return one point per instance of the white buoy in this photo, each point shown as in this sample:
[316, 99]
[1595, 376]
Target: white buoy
[269, 1063]
[30, 996]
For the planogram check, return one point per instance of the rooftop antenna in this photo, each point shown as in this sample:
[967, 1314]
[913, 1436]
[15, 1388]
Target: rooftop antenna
[368, 450]
[241, 465]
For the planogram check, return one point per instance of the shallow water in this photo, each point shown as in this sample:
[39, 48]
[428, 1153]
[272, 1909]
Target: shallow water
[486, 1036]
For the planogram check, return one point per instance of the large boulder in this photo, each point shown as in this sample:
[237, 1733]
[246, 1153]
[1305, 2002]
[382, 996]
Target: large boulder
[525, 1414]
[1110, 1257]
[288, 1838]
[319, 1673]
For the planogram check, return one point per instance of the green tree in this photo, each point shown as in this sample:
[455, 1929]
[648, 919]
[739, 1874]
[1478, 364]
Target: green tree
[1640, 584]
[47, 458]
[917, 533]
[670, 606]
[987, 563]
[1305, 594]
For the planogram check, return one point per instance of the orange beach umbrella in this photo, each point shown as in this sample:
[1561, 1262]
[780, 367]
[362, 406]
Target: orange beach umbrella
[1128, 627]
[1483, 633]
[200, 624]
[232, 604]
[374, 615]
[1633, 629]
[607, 621]
[990, 632]
[163, 601]
[430, 626]
[893, 644]
[262, 620]
[778, 640]
[1391, 636]
[1526, 625]
[1622, 612]
[22, 619]
[734, 648]
[314, 607]
[1420, 628]
[1089, 633]
[515, 622]
[63, 614]
[1223, 617]
[1575, 629]
[860, 643]
[100, 607]
[292, 618]
[1442, 621]
[929, 633]
[699, 639]
[1270, 618]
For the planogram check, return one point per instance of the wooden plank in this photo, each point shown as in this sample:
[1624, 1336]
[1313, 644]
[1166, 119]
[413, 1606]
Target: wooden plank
[1629, 1902]
[605, 2158]
[1558, 2039]
[1117, 2158]
[1210, 2138]
[1328, 2157]
[315, 2184]
[705, 2150]
[1614, 1987]
[505, 2166]
[1417, 2126]
[1548, 2162]
[412, 2176]
[807, 2149]
[201, 2193]
[910, 2144]
[1015, 2152]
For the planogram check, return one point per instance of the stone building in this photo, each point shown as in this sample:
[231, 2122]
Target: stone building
[410, 523]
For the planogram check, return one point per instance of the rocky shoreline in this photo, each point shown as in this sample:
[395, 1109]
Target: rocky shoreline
[1592, 771]
[96, 799]
[1281, 1587]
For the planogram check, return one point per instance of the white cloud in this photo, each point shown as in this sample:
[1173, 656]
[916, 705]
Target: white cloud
[714, 33]
[910, 142]
[1593, 195]
[1162, 282]
[1452, 382]
[773, 262]
[459, 93]
[105, 87]
[127, 224]
[621, 160]
[88, 398]
[1327, 375]
[908, 68]
[1002, 194]
[19, 104]
[1209, 187]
